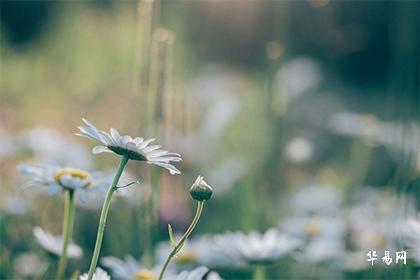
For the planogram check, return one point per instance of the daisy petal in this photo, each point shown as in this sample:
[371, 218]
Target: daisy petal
[100, 149]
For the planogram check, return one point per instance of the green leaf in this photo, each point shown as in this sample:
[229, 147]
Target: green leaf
[171, 236]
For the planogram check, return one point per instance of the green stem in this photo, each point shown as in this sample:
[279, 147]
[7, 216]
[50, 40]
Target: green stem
[178, 246]
[68, 222]
[259, 273]
[104, 214]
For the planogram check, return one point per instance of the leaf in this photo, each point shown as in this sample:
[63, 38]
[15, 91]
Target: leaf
[171, 236]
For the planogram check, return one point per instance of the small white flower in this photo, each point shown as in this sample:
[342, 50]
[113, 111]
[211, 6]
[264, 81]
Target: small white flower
[321, 249]
[58, 178]
[49, 144]
[131, 269]
[15, 205]
[29, 264]
[299, 150]
[374, 221]
[316, 199]
[135, 148]
[99, 274]
[315, 226]
[411, 237]
[195, 274]
[323, 235]
[54, 244]
[257, 248]
[199, 250]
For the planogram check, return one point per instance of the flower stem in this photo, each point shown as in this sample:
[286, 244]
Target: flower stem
[259, 273]
[104, 214]
[68, 222]
[178, 246]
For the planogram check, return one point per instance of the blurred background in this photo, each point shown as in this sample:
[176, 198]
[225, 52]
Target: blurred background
[278, 104]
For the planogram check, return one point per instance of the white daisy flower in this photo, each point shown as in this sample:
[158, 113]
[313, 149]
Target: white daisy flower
[322, 249]
[29, 265]
[134, 148]
[324, 236]
[99, 274]
[58, 178]
[257, 248]
[316, 199]
[195, 274]
[200, 250]
[54, 244]
[411, 237]
[48, 144]
[314, 227]
[131, 269]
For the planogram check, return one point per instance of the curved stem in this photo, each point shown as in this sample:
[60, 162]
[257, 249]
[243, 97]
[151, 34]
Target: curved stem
[104, 214]
[68, 222]
[181, 242]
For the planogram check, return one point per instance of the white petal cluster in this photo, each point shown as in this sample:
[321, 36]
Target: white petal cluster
[54, 244]
[257, 248]
[56, 179]
[134, 148]
[99, 274]
[411, 237]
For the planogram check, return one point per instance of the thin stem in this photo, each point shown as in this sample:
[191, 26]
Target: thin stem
[68, 222]
[104, 214]
[259, 273]
[178, 246]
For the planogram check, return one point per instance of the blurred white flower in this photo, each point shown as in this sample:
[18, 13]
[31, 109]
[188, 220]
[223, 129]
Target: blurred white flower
[131, 269]
[257, 248]
[411, 238]
[48, 144]
[196, 274]
[199, 250]
[29, 264]
[135, 148]
[315, 199]
[316, 218]
[354, 124]
[374, 221]
[296, 78]
[322, 249]
[8, 146]
[227, 173]
[58, 178]
[323, 236]
[216, 89]
[213, 275]
[299, 150]
[315, 227]
[54, 244]
[99, 274]
[398, 137]
[15, 205]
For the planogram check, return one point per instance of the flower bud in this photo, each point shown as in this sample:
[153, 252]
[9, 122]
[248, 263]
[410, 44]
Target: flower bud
[200, 190]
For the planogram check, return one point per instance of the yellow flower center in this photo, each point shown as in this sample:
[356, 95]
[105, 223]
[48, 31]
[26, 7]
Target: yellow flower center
[74, 173]
[312, 228]
[379, 240]
[144, 275]
[185, 258]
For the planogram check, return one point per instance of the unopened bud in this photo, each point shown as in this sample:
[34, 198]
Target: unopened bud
[200, 190]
